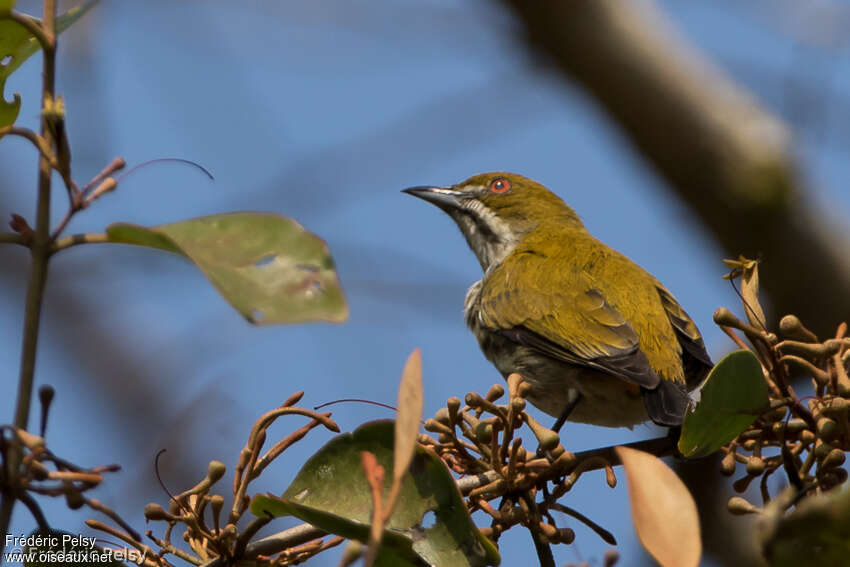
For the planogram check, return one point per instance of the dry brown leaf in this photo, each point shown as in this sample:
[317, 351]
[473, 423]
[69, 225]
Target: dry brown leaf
[406, 422]
[748, 270]
[663, 511]
[750, 292]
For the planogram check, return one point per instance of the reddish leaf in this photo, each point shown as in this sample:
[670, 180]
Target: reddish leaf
[663, 510]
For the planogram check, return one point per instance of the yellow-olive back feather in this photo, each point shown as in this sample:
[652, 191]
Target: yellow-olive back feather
[568, 299]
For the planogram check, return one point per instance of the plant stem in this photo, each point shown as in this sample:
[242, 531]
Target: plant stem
[41, 237]
[77, 239]
[42, 34]
[38, 272]
[37, 141]
[544, 552]
[12, 238]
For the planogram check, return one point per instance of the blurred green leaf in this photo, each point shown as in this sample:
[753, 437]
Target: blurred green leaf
[57, 548]
[730, 400]
[266, 265]
[17, 45]
[817, 532]
[429, 524]
[13, 38]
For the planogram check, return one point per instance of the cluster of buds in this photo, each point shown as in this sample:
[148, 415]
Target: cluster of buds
[479, 442]
[806, 437]
[39, 472]
[219, 541]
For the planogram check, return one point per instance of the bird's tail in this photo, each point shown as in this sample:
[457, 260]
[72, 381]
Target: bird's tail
[667, 404]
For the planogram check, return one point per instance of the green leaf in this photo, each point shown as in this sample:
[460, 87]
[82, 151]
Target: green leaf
[817, 532]
[429, 524]
[17, 45]
[395, 547]
[57, 548]
[266, 265]
[730, 400]
[12, 39]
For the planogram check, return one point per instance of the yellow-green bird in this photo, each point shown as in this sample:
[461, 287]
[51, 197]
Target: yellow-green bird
[597, 337]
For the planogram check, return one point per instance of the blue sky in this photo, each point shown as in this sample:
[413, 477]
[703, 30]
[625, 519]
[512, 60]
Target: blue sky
[324, 111]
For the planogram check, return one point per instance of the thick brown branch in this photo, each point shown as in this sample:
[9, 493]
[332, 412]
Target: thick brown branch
[725, 156]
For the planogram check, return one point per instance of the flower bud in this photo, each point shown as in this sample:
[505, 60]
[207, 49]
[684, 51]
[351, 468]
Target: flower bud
[739, 507]
[727, 465]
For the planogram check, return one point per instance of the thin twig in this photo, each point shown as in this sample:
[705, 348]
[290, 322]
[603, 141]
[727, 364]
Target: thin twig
[250, 531]
[77, 239]
[37, 141]
[169, 548]
[35, 510]
[607, 536]
[73, 208]
[103, 509]
[13, 238]
[80, 198]
[245, 472]
[281, 446]
[543, 549]
[41, 34]
[735, 338]
[116, 164]
[141, 547]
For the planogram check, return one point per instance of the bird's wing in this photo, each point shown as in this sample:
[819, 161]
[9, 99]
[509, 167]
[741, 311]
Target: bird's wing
[563, 315]
[689, 337]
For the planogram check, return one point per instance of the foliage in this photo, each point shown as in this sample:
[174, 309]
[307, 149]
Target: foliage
[267, 266]
[221, 539]
[733, 396]
[17, 44]
[430, 521]
[394, 478]
[805, 437]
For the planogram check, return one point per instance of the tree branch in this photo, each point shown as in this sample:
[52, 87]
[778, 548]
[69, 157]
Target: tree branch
[724, 155]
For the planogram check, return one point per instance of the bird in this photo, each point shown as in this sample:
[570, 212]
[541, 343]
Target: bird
[598, 338]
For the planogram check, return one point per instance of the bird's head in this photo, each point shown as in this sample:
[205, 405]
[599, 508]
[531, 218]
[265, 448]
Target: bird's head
[494, 211]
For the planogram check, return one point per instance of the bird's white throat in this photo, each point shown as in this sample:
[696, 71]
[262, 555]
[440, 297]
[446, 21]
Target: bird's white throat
[489, 237]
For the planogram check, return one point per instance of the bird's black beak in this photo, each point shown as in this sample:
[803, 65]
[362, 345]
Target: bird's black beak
[443, 197]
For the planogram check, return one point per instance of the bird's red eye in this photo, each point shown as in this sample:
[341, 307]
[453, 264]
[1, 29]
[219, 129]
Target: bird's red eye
[500, 185]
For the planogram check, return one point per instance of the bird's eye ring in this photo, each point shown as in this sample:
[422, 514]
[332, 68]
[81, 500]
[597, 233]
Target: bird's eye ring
[500, 185]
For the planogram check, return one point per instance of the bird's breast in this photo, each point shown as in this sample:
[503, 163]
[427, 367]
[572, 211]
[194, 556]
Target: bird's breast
[606, 400]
